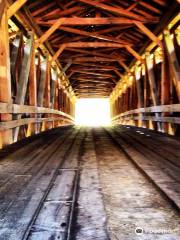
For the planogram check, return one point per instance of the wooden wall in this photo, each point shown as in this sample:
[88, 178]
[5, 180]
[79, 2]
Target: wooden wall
[33, 92]
[149, 94]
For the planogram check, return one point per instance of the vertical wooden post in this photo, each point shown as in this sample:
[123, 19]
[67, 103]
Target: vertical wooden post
[5, 79]
[47, 92]
[2, 9]
[23, 78]
[32, 127]
[15, 61]
[41, 88]
[146, 86]
[47, 85]
[152, 83]
[53, 87]
[174, 64]
[165, 84]
[38, 69]
[42, 83]
[139, 92]
[54, 81]
[56, 100]
[145, 90]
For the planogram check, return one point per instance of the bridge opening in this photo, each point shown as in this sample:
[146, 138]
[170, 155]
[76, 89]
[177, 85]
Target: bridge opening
[92, 112]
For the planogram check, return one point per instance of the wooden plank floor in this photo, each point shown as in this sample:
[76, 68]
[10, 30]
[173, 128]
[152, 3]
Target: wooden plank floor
[85, 184]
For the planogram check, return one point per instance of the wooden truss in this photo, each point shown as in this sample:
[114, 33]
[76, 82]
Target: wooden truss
[54, 51]
[112, 28]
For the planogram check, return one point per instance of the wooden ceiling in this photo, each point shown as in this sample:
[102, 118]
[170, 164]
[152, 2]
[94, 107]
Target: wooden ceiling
[100, 37]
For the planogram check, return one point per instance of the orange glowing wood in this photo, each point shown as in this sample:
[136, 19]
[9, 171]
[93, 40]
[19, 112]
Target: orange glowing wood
[15, 7]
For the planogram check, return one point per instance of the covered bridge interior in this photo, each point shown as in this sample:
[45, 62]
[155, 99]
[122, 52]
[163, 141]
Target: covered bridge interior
[62, 181]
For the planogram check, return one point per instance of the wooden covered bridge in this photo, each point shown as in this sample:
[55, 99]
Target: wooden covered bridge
[59, 181]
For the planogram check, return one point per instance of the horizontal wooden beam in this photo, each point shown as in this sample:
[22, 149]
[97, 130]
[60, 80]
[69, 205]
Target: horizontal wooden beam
[93, 45]
[90, 59]
[85, 45]
[93, 73]
[93, 35]
[92, 21]
[25, 121]
[20, 109]
[174, 120]
[155, 109]
[97, 69]
[94, 53]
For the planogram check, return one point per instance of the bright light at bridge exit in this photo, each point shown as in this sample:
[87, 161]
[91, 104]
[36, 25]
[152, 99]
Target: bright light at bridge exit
[93, 112]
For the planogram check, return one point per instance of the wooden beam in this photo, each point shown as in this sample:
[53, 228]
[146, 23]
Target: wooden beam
[2, 8]
[24, 77]
[151, 77]
[47, 93]
[47, 85]
[43, 8]
[93, 45]
[33, 81]
[174, 120]
[92, 21]
[139, 87]
[49, 32]
[84, 45]
[65, 68]
[15, 60]
[118, 73]
[139, 92]
[20, 122]
[154, 109]
[90, 59]
[42, 83]
[58, 53]
[150, 34]
[63, 13]
[81, 80]
[20, 109]
[165, 78]
[94, 53]
[32, 128]
[94, 73]
[15, 7]
[93, 35]
[96, 68]
[133, 52]
[5, 78]
[174, 64]
[53, 87]
[124, 65]
[85, 76]
[165, 83]
[113, 29]
[120, 11]
[152, 83]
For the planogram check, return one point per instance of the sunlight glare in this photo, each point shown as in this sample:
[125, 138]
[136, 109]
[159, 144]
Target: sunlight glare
[92, 112]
